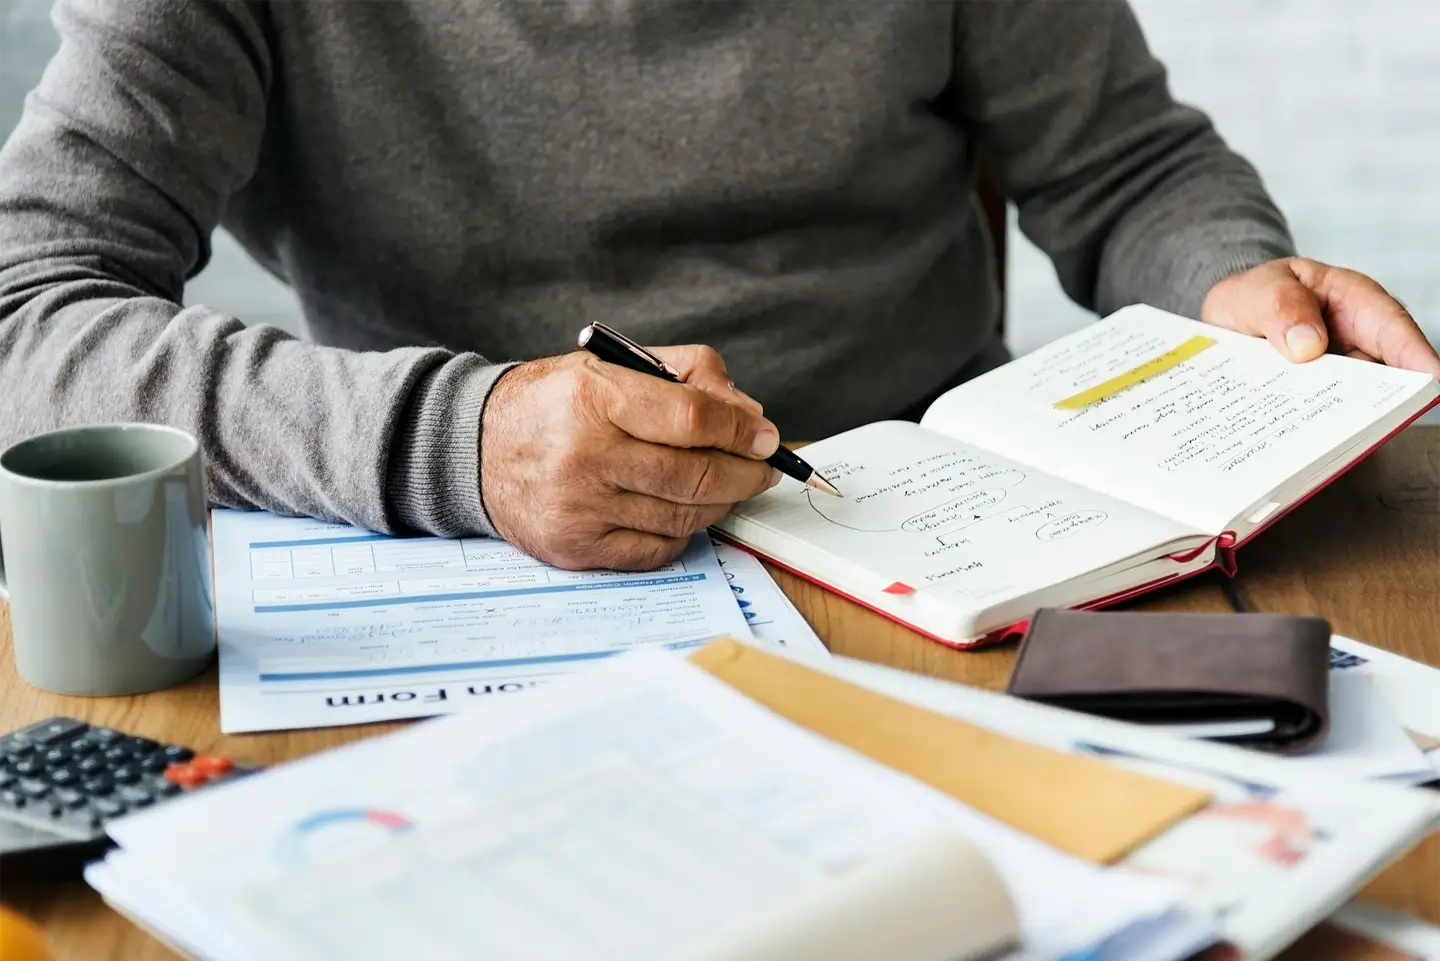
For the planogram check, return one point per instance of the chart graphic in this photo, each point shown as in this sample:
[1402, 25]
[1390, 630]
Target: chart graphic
[340, 828]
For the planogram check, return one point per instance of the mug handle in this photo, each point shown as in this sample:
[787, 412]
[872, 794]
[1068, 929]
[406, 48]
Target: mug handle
[4, 591]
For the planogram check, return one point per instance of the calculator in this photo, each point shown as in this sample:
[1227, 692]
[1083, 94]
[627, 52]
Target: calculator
[62, 780]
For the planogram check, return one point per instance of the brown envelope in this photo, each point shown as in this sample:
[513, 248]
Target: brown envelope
[1086, 806]
[1184, 669]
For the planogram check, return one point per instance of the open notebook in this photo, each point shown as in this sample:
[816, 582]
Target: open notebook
[1137, 451]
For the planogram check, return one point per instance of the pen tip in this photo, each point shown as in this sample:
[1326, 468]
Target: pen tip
[821, 484]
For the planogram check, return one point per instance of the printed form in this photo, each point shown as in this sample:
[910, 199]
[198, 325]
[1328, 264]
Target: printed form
[774, 621]
[324, 624]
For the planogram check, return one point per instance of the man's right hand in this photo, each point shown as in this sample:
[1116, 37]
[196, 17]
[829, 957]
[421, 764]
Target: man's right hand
[587, 465]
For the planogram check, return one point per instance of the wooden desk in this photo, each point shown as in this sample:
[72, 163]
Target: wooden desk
[1365, 554]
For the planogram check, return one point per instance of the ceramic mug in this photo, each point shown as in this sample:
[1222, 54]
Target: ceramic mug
[105, 557]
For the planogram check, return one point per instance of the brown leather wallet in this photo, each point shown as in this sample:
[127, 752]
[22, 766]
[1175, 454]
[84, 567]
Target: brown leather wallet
[1245, 672]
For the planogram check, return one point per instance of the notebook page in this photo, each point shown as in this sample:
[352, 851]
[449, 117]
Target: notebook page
[955, 520]
[1205, 441]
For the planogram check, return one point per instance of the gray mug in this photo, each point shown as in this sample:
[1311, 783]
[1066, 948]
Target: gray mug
[105, 556]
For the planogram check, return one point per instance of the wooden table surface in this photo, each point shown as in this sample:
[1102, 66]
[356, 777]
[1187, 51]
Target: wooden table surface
[1365, 554]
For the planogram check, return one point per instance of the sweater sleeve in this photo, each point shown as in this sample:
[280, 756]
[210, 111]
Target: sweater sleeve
[149, 117]
[1133, 196]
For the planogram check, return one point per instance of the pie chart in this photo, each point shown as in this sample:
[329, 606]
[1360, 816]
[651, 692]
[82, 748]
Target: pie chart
[339, 830]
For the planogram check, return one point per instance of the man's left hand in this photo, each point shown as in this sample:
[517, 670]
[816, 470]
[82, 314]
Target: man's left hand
[1305, 308]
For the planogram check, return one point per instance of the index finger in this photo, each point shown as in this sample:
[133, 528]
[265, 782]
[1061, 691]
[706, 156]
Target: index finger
[678, 415]
[703, 367]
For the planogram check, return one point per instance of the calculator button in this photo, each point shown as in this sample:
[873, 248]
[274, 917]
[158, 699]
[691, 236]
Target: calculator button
[117, 753]
[57, 755]
[62, 776]
[154, 764]
[7, 779]
[140, 745]
[175, 753]
[98, 785]
[69, 796]
[12, 798]
[163, 788]
[91, 764]
[108, 807]
[103, 735]
[209, 765]
[82, 745]
[32, 788]
[82, 818]
[29, 767]
[15, 750]
[126, 774]
[135, 795]
[184, 775]
[47, 732]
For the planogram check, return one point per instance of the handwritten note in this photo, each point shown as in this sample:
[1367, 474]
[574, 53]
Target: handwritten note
[941, 515]
[1137, 374]
[1202, 440]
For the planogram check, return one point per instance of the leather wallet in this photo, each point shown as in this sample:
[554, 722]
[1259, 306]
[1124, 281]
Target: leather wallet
[1261, 680]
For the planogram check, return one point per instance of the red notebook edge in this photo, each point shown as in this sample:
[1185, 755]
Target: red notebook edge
[988, 640]
[1227, 547]
[1349, 465]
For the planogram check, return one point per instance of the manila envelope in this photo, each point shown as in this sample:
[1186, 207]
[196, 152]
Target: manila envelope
[1085, 806]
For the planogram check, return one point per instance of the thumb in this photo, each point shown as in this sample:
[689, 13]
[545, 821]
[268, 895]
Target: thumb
[1270, 301]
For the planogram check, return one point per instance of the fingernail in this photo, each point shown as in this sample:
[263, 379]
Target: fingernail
[775, 476]
[766, 440]
[1302, 339]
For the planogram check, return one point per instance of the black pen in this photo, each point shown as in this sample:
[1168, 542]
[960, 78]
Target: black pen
[613, 347]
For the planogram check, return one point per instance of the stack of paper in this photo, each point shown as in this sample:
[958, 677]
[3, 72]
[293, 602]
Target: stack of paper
[324, 624]
[1366, 740]
[1279, 848]
[691, 808]
[645, 809]
[1409, 691]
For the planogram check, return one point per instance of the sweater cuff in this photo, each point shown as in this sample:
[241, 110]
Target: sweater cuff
[1196, 258]
[433, 478]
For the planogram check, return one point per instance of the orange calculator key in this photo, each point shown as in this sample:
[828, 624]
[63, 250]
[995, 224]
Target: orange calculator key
[209, 765]
[184, 775]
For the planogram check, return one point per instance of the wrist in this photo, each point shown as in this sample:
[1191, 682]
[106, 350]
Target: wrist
[434, 476]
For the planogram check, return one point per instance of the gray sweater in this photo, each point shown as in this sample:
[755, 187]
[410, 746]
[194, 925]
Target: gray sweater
[451, 186]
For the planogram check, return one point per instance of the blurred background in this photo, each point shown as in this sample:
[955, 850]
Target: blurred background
[1337, 102]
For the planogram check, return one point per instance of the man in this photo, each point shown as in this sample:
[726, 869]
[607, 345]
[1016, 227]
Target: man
[453, 187]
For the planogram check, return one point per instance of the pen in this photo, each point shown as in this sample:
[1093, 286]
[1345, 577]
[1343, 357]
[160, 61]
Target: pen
[613, 347]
